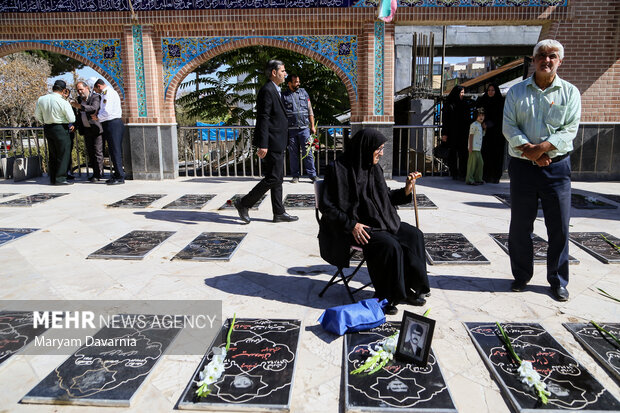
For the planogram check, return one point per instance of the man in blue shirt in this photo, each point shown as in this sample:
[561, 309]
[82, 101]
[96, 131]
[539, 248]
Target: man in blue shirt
[541, 118]
[300, 125]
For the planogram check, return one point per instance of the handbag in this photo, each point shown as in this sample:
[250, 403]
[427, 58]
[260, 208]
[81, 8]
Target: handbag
[349, 318]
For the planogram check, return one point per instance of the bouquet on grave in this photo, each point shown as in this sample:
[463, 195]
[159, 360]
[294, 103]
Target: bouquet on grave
[311, 144]
[526, 371]
[212, 372]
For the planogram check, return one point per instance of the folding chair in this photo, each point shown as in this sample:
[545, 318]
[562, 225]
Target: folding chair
[339, 275]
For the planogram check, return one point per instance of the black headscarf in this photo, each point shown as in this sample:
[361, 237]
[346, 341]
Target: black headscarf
[362, 191]
[493, 106]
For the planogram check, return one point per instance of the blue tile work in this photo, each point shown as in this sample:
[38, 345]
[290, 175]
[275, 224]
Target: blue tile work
[105, 53]
[31, 6]
[340, 50]
[379, 39]
[139, 68]
[464, 3]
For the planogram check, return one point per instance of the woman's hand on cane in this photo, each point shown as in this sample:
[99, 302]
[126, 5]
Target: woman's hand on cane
[411, 178]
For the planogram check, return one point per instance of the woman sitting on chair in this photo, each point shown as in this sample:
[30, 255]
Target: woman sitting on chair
[358, 208]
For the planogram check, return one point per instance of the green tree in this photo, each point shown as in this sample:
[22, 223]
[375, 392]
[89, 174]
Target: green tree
[60, 64]
[229, 84]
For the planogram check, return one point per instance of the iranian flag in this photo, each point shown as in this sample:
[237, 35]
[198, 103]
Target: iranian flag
[387, 8]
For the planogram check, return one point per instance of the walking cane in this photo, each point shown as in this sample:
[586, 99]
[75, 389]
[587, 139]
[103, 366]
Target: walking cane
[414, 198]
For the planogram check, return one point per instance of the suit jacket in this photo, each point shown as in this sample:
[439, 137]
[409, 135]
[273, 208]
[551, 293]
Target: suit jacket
[90, 106]
[271, 129]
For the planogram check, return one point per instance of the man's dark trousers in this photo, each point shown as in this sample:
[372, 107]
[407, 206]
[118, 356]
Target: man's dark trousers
[273, 167]
[58, 147]
[528, 183]
[94, 148]
[113, 133]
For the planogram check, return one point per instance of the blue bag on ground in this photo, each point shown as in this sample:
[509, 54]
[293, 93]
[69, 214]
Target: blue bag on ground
[350, 318]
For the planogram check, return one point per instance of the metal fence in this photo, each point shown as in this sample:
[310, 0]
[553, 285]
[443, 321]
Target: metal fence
[227, 150]
[30, 143]
[413, 150]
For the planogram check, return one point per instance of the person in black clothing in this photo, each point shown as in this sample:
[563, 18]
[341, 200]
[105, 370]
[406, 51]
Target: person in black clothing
[494, 142]
[358, 207]
[455, 131]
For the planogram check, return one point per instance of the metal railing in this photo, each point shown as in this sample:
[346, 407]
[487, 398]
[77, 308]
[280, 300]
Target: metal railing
[413, 150]
[30, 142]
[227, 150]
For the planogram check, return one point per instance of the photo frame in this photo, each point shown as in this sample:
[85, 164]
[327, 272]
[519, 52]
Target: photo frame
[414, 340]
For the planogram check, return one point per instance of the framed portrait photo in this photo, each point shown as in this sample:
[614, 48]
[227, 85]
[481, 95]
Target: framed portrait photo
[414, 340]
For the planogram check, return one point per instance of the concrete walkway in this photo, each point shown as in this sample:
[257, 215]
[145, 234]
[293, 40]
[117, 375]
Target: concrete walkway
[277, 273]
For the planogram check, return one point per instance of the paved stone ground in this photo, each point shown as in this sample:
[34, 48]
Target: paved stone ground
[277, 272]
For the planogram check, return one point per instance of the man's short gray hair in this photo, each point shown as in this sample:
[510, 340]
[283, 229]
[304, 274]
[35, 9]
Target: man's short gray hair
[271, 66]
[550, 44]
[83, 84]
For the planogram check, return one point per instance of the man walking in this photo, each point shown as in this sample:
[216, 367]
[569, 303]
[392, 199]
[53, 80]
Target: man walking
[87, 106]
[541, 118]
[270, 136]
[300, 126]
[56, 114]
[110, 113]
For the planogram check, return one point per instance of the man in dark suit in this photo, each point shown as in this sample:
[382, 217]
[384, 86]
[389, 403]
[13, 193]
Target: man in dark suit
[413, 341]
[87, 105]
[270, 139]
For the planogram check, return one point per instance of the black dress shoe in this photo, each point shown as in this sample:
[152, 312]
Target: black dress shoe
[64, 183]
[243, 211]
[284, 218]
[109, 181]
[390, 309]
[94, 179]
[70, 177]
[518, 286]
[560, 293]
[116, 182]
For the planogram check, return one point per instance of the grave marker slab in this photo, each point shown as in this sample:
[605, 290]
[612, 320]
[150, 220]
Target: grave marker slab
[258, 370]
[615, 198]
[137, 201]
[190, 201]
[599, 345]
[134, 245]
[397, 386]
[299, 201]
[505, 198]
[540, 247]
[212, 246]
[580, 201]
[108, 374]
[10, 234]
[594, 244]
[451, 248]
[16, 331]
[423, 203]
[237, 196]
[572, 387]
[31, 200]
[7, 194]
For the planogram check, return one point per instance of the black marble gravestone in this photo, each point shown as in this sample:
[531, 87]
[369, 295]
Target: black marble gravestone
[212, 246]
[230, 202]
[599, 345]
[398, 385]
[540, 247]
[10, 234]
[572, 387]
[30, 200]
[258, 370]
[16, 331]
[423, 203]
[594, 244]
[108, 369]
[580, 201]
[452, 248]
[299, 201]
[190, 201]
[134, 245]
[7, 194]
[615, 198]
[137, 201]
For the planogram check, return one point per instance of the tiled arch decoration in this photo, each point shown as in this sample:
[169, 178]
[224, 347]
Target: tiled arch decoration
[182, 55]
[104, 56]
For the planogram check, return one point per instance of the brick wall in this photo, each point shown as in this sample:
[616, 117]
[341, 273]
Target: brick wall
[589, 29]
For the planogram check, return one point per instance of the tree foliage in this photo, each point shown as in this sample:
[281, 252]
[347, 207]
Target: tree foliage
[229, 83]
[60, 64]
[23, 78]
